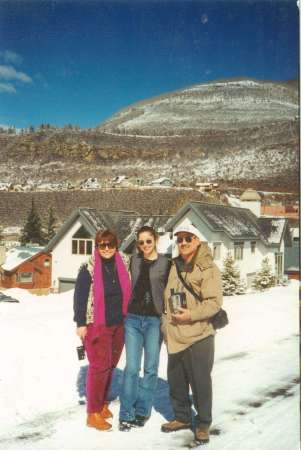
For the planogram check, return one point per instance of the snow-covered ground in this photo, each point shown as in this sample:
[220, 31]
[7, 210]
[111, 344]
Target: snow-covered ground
[255, 377]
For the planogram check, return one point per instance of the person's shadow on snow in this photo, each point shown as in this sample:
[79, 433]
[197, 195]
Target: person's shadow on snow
[161, 399]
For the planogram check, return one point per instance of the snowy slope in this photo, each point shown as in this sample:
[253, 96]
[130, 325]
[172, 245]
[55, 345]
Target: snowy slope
[256, 379]
[208, 106]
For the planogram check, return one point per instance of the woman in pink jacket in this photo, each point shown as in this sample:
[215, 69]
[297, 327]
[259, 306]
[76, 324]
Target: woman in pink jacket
[101, 298]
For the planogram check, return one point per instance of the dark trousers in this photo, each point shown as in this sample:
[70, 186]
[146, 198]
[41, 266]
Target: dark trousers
[192, 367]
[103, 352]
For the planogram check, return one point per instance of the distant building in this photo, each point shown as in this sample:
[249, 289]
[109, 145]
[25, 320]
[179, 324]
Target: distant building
[292, 257]
[251, 199]
[26, 267]
[207, 187]
[90, 183]
[167, 182]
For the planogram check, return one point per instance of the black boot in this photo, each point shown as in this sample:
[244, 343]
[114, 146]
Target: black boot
[126, 425]
[140, 421]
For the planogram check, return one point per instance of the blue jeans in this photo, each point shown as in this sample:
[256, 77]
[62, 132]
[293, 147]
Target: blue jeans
[141, 333]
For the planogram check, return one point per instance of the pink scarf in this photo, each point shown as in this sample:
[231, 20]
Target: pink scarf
[98, 289]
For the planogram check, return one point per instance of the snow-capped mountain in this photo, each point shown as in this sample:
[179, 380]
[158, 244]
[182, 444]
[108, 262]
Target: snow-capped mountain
[219, 106]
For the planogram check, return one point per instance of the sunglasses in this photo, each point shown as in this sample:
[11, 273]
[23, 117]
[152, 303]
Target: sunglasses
[104, 245]
[148, 241]
[187, 239]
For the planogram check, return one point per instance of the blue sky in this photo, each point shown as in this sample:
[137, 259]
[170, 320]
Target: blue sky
[79, 62]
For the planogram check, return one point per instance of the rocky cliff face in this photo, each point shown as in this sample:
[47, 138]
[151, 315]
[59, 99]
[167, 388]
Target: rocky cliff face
[239, 131]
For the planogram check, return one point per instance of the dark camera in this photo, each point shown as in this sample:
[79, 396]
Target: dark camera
[81, 352]
[177, 300]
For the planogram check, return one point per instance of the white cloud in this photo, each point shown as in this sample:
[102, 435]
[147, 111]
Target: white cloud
[11, 57]
[9, 73]
[8, 88]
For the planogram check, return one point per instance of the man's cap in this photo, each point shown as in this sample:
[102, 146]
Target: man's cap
[187, 227]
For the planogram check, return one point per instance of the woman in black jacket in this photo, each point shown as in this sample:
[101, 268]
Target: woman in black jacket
[149, 272]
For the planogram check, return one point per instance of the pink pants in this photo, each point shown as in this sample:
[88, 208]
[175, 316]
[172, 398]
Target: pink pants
[103, 346]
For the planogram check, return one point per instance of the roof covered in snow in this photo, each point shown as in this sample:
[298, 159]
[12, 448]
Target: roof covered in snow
[124, 223]
[237, 223]
[17, 255]
[272, 228]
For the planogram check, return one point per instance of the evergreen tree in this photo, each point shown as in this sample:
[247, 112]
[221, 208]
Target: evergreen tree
[232, 283]
[50, 231]
[32, 230]
[264, 278]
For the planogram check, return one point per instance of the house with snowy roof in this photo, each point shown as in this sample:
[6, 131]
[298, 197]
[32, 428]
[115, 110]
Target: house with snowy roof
[73, 243]
[27, 267]
[248, 237]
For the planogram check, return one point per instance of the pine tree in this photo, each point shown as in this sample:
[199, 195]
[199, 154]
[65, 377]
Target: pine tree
[32, 230]
[232, 283]
[50, 231]
[264, 279]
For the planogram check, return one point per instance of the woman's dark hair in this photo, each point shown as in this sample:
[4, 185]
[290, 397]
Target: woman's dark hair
[147, 229]
[106, 235]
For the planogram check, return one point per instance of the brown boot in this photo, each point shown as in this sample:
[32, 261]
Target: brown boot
[175, 425]
[105, 412]
[96, 421]
[202, 435]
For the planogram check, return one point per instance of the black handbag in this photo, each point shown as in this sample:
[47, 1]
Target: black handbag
[220, 319]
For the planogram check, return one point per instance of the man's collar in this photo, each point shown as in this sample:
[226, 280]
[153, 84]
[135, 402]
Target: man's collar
[182, 265]
[186, 266]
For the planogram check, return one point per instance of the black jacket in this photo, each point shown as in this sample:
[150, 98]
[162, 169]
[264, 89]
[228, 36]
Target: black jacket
[158, 276]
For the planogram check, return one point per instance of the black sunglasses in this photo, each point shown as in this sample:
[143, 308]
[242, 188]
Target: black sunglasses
[148, 241]
[103, 245]
[187, 239]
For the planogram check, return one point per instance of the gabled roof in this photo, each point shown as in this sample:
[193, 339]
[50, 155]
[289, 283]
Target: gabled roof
[94, 220]
[124, 223]
[237, 223]
[273, 228]
[155, 221]
[18, 255]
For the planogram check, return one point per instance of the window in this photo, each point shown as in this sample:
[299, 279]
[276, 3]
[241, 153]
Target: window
[216, 250]
[253, 246]
[81, 247]
[47, 263]
[238, 250]
[89, 247]
[82, 243]
[278, 266]
[25, 277]
[74, 246]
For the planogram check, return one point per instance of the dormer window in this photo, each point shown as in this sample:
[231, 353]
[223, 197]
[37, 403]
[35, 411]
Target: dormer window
[82, 242]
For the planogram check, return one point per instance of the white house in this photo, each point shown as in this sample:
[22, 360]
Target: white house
[73, 243]
[90, 183]
[167, 182]
[239, 231]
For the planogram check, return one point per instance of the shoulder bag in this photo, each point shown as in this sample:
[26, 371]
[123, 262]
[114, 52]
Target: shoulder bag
[220, 319]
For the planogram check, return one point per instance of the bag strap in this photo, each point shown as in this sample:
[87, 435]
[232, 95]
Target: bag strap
[187, 286]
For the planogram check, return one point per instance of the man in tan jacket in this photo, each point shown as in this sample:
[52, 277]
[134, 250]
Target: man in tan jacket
[188, 332]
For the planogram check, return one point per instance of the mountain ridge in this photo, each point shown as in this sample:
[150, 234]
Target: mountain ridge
[238, 130]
